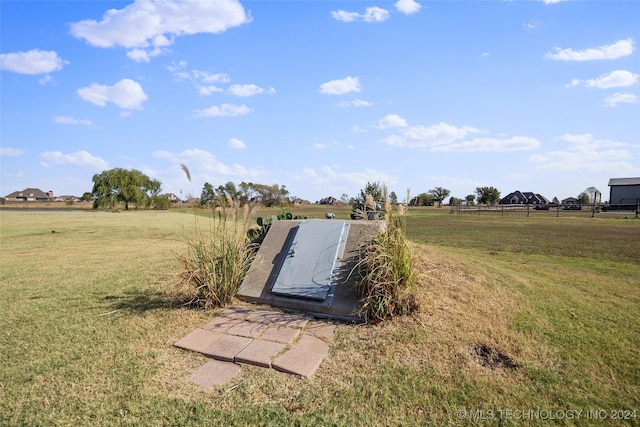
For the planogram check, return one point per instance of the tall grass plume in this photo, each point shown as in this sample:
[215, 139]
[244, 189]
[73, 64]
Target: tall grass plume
[386, 276]
[217, 257]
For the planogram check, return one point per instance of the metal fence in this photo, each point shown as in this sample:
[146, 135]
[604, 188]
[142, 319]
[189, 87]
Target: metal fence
[550, 209]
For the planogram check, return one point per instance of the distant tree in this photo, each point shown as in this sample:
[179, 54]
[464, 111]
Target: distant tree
[556, 201]
[422, 199]
[87, 196]
[246, 190]
[208, 195]
[470, 199]
[270, 195]
[374, 189]
[583, 198]
[344, 198]
[160, 202]
[454, 201]
[592, 192]
[393, 198]
[439, 194]
[115, 186]
[487, 195]
[227, 190]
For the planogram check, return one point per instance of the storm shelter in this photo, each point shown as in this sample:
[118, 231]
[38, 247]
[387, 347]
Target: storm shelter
[304, 265]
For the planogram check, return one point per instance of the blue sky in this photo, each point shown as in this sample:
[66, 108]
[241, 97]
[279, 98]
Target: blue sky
[322, 96]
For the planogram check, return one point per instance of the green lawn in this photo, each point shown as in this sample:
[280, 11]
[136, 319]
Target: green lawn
[90, 311]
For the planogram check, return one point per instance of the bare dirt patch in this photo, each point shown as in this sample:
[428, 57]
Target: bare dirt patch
[491, 357]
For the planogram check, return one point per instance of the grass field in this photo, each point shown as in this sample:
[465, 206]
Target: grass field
[518, 313]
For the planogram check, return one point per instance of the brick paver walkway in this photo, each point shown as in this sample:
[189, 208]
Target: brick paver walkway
[290, 343]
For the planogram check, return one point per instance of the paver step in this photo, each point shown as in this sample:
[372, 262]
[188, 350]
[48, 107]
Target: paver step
[257, 337]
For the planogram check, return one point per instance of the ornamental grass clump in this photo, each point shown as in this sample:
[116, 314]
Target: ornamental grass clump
[218, 257]
[386, 277]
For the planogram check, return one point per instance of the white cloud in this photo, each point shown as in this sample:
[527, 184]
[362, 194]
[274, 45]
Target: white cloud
[344, 16]
[10, 152]
[595, 161]
[426, 137]
[375, 14]
[392, 121]
[585, 153]
[79, 158]
[408, 6]
[355, 103]
[516, 143]
[532, 24]
[224, 110]
[444, 137]
[587, 142]
[371, 14]
[208, 90]
[201, 79]
[330, 179]
[150, 26]
[248, 90]
[125, 94]
[342, 86]
[71, 121]
[619, 97]
[35, 61]
[617, 78]
[552, 1]
[236, 144]
[205, 166]
[613, 51]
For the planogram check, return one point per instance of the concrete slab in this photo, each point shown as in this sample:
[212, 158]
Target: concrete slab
[236, 312]
[321, 330]
[281, 334]
[304, 358]
[259, 353]
[215, 373]
[198, 340]
[226, 347]
[278, 317]
[247, 329]
[313, 345]
[220, 324]
[342, 302]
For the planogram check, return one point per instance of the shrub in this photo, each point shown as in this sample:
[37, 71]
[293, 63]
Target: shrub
[386, 278]
[217, 259]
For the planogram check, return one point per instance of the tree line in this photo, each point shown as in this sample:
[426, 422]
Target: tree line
[131, 187]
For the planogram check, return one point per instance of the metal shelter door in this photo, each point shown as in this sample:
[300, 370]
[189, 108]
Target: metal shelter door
[312, 259]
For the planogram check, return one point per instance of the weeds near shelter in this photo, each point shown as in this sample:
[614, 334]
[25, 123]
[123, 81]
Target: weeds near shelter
[217, 258]
[386, 278]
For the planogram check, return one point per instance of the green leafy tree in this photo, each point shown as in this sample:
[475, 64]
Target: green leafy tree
[470, 199]
[423, 199]
[439, 194]
[374, 189]
[246, 192]
[454, 201]
[583, 198]
[487, 195]
[270, 195]
[393, 198]
[127, 186]
[160, 202]
[224, 191]
[592, 193]
[207, 197]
